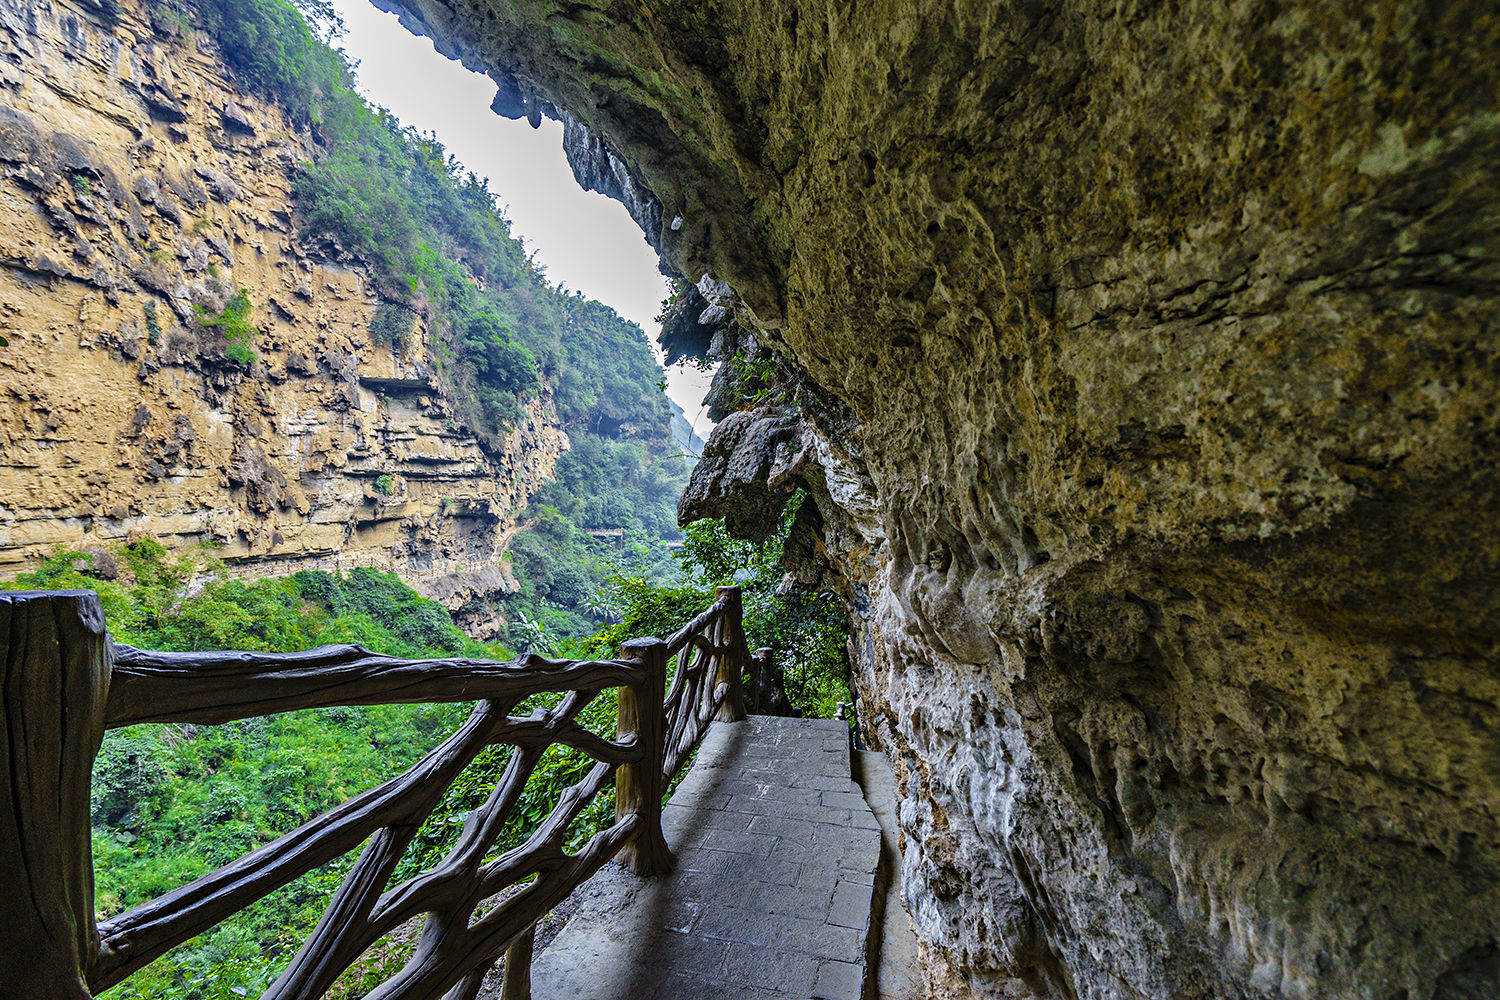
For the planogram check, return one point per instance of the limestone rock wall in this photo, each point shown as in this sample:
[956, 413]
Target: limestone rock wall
[136, 183]
[1152, 374]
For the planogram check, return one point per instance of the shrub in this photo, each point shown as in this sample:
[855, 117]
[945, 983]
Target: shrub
[392, 323]
[270, 47]
[153, 324]
[233, 322]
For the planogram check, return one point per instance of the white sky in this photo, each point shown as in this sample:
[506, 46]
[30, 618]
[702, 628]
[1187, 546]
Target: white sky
[586, 241]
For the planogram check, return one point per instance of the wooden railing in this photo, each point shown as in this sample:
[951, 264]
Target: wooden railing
[63, 683]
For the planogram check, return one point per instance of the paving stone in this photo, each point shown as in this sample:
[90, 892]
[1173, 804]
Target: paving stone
[839, 981]
[788, 973]
[755, 844]
[705, 860]
[691, 953]
[834, 783]
[863, 855]
[757, 791]
[754, 927]
[774, 870]
[719, 819]
[816, 937]
[789, 901]
[845, 800]
[680, 986]
[800, 850]
[813, 810]
[782, 826]
[772, 839]
[851, 905]
[837, 836]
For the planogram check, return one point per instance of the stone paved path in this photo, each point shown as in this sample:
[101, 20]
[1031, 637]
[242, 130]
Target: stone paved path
[777, 853]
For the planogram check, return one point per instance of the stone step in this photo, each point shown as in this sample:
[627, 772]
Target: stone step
[772, 895]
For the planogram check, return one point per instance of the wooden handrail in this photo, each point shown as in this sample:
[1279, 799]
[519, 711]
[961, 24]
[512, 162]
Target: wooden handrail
[62, 683]
[708, 682]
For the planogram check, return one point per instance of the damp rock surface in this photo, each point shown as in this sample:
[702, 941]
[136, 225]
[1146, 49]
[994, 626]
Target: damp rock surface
[1163, 345]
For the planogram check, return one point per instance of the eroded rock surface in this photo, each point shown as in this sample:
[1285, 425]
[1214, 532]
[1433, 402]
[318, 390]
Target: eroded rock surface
[136, 183]
[1167, 338]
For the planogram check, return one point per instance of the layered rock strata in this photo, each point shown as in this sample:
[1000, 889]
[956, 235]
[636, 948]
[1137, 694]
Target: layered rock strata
[1150, 408]
[140, 191]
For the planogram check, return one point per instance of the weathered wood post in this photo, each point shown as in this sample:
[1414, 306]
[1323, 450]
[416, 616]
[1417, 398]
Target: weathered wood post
[639, 787]
[732, 664]
[760, 680]
[54, 677]
[517, 982]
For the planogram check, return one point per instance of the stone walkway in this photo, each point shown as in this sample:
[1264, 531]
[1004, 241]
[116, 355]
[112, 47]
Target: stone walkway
[776, 859]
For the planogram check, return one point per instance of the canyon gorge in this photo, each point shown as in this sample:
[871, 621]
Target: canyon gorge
[1139, 360]
[147, 195]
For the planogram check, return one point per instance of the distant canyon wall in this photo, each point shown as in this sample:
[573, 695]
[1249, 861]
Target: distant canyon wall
[137, 186]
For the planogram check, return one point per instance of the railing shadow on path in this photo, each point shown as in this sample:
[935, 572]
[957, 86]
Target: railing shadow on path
[63, 683]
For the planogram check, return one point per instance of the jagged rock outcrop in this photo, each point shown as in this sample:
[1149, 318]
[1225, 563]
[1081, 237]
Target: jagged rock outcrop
[140, 186]
[1166, 342]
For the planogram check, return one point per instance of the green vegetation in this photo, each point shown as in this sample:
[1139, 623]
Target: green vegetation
[173, 802]
[621, 479]
[151, 604]
[392, 323]
[806, 631]
[153, 323]
[170, 803]
[757, 381]
[233, 322]
[383, 484]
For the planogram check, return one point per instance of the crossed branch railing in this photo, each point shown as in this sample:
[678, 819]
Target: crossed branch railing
[63, 683]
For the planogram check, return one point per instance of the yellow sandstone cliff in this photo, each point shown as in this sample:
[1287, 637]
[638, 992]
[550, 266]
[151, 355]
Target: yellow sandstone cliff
[137, 184]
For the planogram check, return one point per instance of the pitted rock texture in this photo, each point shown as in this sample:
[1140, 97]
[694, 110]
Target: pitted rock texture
[1167, 338]
[122, 414]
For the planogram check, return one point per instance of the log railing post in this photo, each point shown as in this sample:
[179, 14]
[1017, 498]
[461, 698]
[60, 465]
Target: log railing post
[54, 678]
[517, 982]
[732, 663]
[760, 680]
[639, 787]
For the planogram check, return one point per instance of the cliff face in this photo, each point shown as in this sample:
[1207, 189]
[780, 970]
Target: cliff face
[138, 184]
[1150, 393]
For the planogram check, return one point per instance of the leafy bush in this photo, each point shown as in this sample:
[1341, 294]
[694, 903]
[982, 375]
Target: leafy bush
[271, 49]
[806, 631]
[170, 803]
[233, 322]
[392, 323]
[153, 324]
